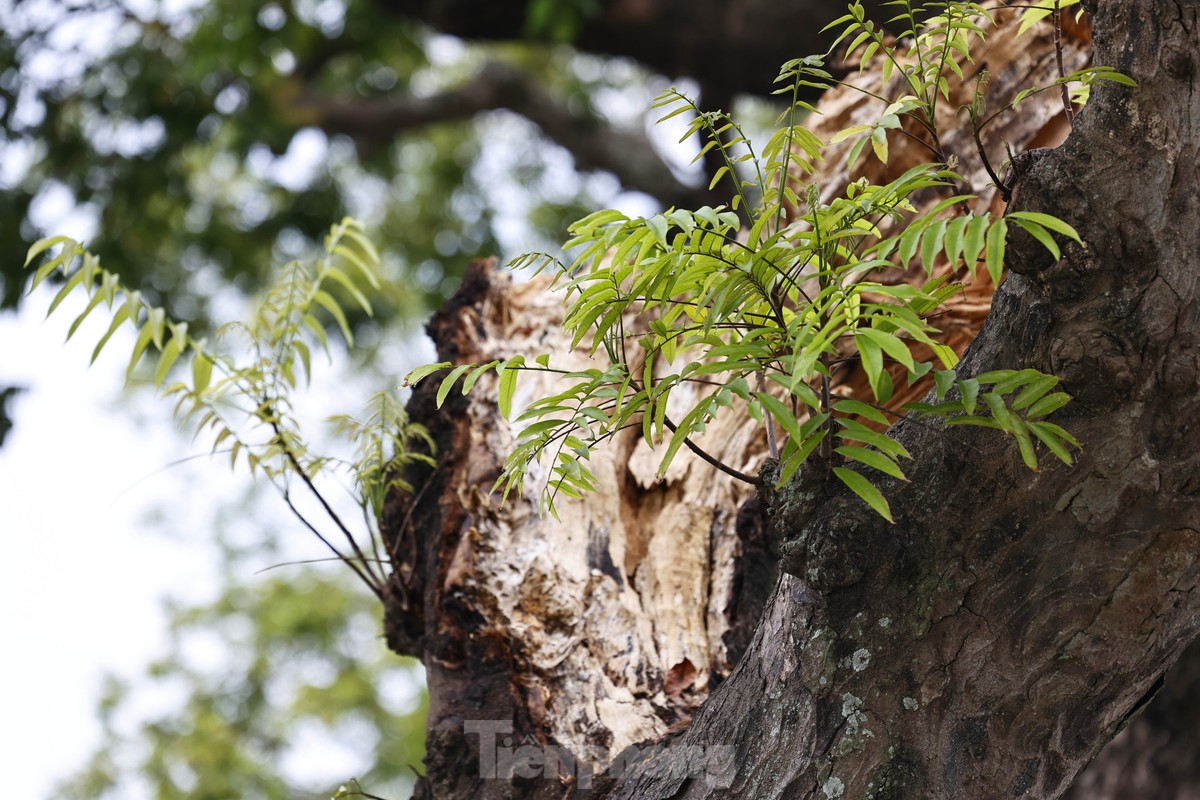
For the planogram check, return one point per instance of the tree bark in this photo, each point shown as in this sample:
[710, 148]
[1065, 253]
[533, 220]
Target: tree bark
[1155, 757]
[986, 645]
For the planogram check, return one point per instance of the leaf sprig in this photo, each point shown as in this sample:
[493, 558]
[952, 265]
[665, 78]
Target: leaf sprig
[245, 405]
[710, 312]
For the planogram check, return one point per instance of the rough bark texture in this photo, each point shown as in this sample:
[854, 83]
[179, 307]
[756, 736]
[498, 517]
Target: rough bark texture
[987, 645]
[1156, 756]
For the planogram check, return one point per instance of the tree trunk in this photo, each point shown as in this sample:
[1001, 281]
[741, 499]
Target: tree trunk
[1155, 757]
[986, 645]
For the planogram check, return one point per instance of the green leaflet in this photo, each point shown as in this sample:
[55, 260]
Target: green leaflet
[420, 373]
[449, 381]
[508, 383]
[865, 490]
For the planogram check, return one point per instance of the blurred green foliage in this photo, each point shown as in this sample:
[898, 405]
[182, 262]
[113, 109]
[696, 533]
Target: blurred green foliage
[301, 669]
[558, 20]
[183, 139]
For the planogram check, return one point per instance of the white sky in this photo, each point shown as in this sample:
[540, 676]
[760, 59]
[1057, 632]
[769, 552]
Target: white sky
[86, 565]
[82, 579]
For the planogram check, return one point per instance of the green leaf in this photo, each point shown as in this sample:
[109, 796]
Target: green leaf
[202, 367]
[1047, 435]
[1034, 390]
[872, 360]
[890, 344]
[994, 257]
[846, 133]
[658, 224]
[420, 373]
[1012, 424]
[853, 431]
[83, 315]
[996, 375]
[860, 409]
[974, 240]
[42, 245]
[171, 352]
[344, 280]
[782, 414]
[356, 260]
[121, 315]
[954, 237]
[62, 260]
[326, 300]
[449, 381]
[475, 375]
[885, 388]
[318, 331]
[1048, 405]
[794, 460]
[508, 383]
[1042, 235]
[943, 381]
[305, 358]
[873, 459]
[1013, 381]
[866, 491]
[1046, 221]
[969, 387]
[351, 230]
[931, 244]
[879, 144]
[67, 288]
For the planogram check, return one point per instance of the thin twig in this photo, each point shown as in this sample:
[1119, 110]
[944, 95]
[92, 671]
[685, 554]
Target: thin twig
[406, 524]
[297, 563]
[342, 557]
[377, 582]
[371, 533]
[1005, 190]
[772, 445]
[1062, 73]
[826, 445]
[721, 465]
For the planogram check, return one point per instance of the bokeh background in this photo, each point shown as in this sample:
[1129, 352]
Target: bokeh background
[169, 631]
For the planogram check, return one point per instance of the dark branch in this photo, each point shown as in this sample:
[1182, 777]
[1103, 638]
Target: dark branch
[628, 154]
[728, 46]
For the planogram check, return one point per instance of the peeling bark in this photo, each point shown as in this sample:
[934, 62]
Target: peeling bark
[986, 645]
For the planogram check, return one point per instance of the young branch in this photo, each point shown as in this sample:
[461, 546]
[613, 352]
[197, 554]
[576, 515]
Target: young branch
[375, 582]
[350, 562]
[712, 460]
